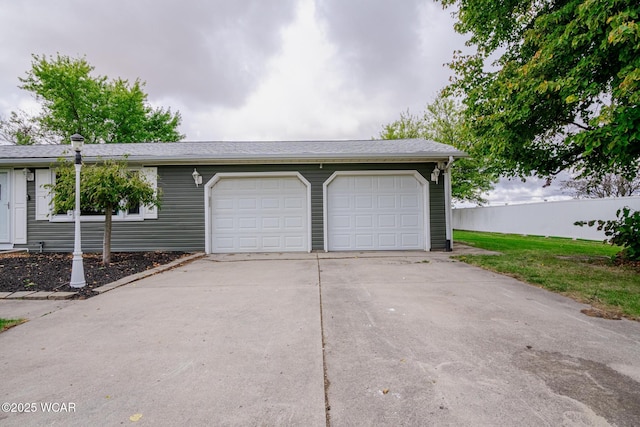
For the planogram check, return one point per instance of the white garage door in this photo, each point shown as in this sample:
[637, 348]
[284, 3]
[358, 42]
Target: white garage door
[375, 212]
[259, 214]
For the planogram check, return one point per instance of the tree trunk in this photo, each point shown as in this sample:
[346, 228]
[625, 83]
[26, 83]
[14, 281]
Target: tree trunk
[106, 240]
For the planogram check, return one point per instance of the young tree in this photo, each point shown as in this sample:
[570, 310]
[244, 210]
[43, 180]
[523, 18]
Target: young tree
[552, 84]
[105, 188]
[443, 121]
[74, 101]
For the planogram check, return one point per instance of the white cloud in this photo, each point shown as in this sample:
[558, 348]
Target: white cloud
[515, 191]
[250, 69]
[303, 94]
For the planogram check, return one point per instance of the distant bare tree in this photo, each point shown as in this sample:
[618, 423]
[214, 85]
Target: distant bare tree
[609, 185]
[21, 129]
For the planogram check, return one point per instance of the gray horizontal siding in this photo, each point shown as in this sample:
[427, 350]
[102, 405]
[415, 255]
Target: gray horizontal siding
[179, 227]
[437, 210]
[180, 224]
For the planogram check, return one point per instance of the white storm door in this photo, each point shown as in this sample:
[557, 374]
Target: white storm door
[259, 214]
[5, 212]
[375, 212]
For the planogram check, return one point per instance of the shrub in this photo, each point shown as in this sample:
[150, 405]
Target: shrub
[624, 231]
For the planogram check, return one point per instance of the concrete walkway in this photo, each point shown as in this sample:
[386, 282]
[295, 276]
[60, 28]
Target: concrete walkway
[409, 338]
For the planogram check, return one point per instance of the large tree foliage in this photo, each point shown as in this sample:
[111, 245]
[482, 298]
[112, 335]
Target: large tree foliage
[104, 188]
[443, 121]
[101, 110]
[552, 84]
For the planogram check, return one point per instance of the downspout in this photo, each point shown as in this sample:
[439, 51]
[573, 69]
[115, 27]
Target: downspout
[447, 202]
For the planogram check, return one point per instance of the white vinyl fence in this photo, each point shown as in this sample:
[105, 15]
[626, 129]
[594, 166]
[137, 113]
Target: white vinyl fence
[543, 219]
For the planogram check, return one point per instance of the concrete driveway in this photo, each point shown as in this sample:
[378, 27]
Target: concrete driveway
[409, 339]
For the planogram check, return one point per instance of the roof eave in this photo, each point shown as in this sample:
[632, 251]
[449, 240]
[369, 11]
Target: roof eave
[270, 159]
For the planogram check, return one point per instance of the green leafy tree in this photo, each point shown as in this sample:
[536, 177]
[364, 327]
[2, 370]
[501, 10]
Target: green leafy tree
[443, 121]
[623, 231]
[552, 84]
[101, 110]
[105, 188]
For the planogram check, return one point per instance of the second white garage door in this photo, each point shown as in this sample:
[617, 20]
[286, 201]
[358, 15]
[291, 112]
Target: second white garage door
[375, 212]
[259, 214]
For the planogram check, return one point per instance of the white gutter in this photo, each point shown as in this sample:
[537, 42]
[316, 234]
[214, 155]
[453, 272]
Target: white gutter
[224, 160]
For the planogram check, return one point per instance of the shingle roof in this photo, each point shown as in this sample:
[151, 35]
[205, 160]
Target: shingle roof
[401, 150]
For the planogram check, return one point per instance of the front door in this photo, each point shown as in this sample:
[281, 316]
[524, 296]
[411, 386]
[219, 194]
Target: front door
[4, 207]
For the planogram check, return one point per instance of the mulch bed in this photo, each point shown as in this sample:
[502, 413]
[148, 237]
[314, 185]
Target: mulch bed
[49, 271]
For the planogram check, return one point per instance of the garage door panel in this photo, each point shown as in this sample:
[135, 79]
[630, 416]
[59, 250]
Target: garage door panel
[245, 203]
[387, 241]
[409, 183]
[223, 224]
[364, 221]
[410, 221]
[224, 242]
[248, 243]
[259, 214]
[246, 184]
[410, 239]
[387, 221]
[224, 203]
[365, 241]
[294, 222]
[247, 224]
[371, 212]
[224, 185]
[292, 184]
[271, 223]
[271, 242]
[270, 203]
[363, 183]
[386, 183]
[341, 242]
[364, 202]
[294, 203]
[409, 201]
[387, 202]
[341, 221]
[269, 184]
[340, 202]
[295, 242]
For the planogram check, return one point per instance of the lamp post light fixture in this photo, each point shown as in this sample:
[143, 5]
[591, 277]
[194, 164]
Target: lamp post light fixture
[77, 268]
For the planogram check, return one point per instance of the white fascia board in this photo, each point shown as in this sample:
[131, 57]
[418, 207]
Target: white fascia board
[223, 160]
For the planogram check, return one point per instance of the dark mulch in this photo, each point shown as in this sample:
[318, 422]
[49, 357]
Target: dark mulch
[21, 271]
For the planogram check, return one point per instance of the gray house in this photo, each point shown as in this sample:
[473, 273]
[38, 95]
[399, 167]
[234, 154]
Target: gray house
[227, 197]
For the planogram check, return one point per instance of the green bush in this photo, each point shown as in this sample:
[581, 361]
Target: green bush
[624, 231]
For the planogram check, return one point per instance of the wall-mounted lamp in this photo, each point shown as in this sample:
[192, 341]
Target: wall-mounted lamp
[435, 174]
[27, 173]
[197, 178]
[438, 169]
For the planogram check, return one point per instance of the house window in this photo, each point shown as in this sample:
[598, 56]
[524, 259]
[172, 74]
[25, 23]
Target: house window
[44, 206]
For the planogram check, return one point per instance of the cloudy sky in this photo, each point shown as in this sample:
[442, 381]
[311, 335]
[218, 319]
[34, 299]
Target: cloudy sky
[251, 69]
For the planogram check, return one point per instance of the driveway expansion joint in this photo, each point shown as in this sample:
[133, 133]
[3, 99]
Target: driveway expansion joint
[327, 383]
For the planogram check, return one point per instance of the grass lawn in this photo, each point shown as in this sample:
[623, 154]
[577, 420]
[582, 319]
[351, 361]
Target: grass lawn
[580, 269]
[8, 323]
